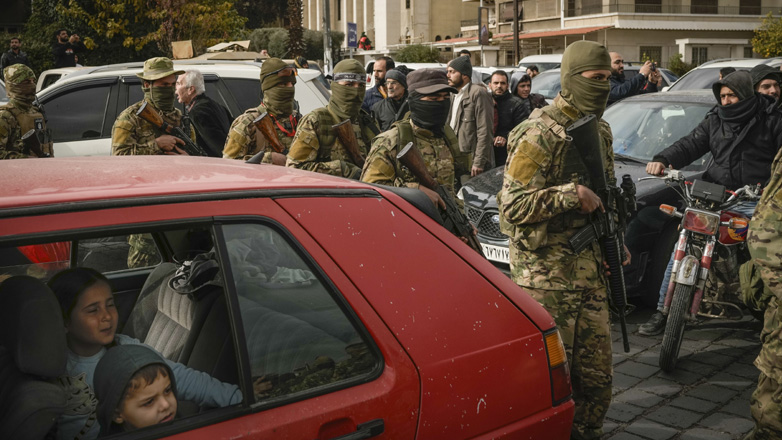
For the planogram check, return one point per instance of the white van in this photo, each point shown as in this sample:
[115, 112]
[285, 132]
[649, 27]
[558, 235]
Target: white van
[544, 62]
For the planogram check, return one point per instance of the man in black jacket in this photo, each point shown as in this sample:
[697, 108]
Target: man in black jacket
[510, 112]
[743, 134]
[65, 48]
[379, 92]
[13, 56]
[647, 80]
[210, 119]
[766, 80]
[393, 108]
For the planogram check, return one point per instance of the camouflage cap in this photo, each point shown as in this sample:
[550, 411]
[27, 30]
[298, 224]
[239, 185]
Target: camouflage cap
[17, 73]
[158, 67]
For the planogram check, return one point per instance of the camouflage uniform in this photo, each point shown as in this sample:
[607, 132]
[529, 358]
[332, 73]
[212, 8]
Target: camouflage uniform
[382, 166]
[132, 135]
[317, 148]
[18, 117]
[765, 243]
[245, 141]
[538, 210]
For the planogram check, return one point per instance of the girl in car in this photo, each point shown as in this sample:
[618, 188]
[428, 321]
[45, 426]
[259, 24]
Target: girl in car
[90, 317]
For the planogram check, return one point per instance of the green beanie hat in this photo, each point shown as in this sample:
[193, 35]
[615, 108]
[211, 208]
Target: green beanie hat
[269, 70]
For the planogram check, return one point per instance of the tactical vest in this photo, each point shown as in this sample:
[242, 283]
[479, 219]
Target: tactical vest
[32, 120]
[573, 171]
[406, 135]
[327, 137]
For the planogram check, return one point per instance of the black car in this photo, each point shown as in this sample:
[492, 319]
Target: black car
[642, 126]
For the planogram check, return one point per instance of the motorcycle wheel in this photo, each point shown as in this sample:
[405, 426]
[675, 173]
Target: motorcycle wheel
[674, 328]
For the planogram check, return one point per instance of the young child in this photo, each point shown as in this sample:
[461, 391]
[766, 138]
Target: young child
[135, 389]
[91, 319]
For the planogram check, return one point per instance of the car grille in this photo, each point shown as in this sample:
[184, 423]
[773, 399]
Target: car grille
[484, 223]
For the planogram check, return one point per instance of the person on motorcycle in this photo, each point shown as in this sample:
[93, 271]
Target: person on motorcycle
[743, 133]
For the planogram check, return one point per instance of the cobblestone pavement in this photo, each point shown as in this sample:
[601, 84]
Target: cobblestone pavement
[705, 398]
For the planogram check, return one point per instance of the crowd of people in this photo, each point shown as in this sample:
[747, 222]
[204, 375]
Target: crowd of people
[463, 129]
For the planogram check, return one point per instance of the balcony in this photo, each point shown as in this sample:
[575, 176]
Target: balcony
[641, 8]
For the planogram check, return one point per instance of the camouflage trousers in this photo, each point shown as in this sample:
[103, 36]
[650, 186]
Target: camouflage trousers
[583, 320]
[766, 408]
[143, 251]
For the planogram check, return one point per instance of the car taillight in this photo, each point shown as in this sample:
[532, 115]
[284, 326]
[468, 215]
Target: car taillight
[703, 222]
[558, 367]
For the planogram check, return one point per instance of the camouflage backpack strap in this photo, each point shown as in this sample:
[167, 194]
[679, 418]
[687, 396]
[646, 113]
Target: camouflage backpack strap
[326, 136]
[369, 127]
[550, 123]
[405, 131]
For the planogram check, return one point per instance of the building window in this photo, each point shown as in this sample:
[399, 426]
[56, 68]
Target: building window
[749, 7]
[407, 4]
[703, 7]
[700, 55]
[651, 53]
[339, 10]
[591, 7]
[506, 12]
[748, 52]
[649, 6]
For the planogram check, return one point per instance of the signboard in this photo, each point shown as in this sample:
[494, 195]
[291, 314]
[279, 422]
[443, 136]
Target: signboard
[483, 26]
[352, 35]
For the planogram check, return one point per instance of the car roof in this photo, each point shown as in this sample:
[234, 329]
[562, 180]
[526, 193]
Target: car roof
[696, 95]
[547, 57]
[82, 179]
[739, 62]
[236, 69]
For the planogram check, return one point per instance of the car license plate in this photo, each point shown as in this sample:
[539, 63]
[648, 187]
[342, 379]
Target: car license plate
[496, 253]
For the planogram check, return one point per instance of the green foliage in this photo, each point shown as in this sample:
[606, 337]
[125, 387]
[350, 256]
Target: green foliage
[262, 13]
[417, 53]
[768, 37]
[275, 41]
[677, 65]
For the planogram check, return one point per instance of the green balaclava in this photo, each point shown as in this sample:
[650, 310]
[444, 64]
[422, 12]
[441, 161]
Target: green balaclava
[346, 101]
[587, 95]
[278, 100]
[155, 69]
[20, 94]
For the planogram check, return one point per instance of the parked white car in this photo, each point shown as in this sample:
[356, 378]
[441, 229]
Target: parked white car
[544, 62]
[82, 107]
[703, 76]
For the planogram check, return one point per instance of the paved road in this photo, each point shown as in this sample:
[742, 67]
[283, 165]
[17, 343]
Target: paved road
[706, 398]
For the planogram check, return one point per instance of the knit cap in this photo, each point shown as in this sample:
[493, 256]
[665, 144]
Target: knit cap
[462, 65]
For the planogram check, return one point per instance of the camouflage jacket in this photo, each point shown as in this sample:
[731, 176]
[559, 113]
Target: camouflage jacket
[538, 205]
[382, 166]
[764, 241]
[11, 145]
[132, 135]
[316, 148]
[245, 141]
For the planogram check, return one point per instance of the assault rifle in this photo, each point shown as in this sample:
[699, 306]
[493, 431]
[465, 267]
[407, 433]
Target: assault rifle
[265, 125]
[453, 219]
[148, 114]
[32, 142]
[604, 226]
[345, 134]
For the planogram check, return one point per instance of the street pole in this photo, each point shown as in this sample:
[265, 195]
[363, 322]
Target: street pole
[327, 61]
[516, 55]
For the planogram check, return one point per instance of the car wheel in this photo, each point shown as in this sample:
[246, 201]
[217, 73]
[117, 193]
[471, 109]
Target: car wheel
[660, 257]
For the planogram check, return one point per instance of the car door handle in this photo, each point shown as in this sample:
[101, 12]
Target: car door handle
[370, 429]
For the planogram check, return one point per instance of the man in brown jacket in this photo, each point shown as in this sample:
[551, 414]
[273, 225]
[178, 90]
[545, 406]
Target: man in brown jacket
[472, 115]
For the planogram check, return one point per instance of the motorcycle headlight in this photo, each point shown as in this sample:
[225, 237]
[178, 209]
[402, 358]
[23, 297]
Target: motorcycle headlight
[703, 222]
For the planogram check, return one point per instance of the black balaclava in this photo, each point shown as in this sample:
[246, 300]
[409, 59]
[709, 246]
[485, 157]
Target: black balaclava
[740, 82]
[587, 95]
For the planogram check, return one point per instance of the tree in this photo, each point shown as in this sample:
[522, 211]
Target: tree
[262, 13]
[677, 65]
[295, 29]
[135, 29]
[768, 37]
[418, 53]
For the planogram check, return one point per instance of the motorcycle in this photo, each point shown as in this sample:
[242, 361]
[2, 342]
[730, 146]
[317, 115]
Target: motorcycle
[706, 221]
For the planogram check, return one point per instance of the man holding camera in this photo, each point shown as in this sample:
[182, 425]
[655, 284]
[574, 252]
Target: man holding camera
[65, 48]
[647, 80]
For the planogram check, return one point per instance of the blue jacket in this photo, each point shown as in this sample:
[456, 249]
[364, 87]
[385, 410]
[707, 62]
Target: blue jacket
[372, 96]
[622, 87]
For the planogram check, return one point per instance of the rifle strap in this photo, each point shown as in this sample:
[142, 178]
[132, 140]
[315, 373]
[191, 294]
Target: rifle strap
[550, 123]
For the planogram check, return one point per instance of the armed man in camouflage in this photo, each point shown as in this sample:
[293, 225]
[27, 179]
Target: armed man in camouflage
[430, 102]
[545, 199]
[132, 135]
[20, 115]
[316, 146]
[244, 139]
[764, 240]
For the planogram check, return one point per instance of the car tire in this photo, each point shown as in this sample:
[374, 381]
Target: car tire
[656, 270]
[674, 327]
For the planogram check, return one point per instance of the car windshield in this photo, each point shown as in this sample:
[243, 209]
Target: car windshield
[643, 128]
[698, 79]
[547, 84]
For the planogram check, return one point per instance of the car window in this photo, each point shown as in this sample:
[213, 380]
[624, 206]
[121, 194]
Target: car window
[247, 92]
[547, 84]
[297, 336]
[698, 79]
[642, 129]
[80, 113]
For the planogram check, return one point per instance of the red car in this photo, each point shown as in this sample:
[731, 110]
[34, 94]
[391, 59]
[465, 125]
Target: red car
[338, 308]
